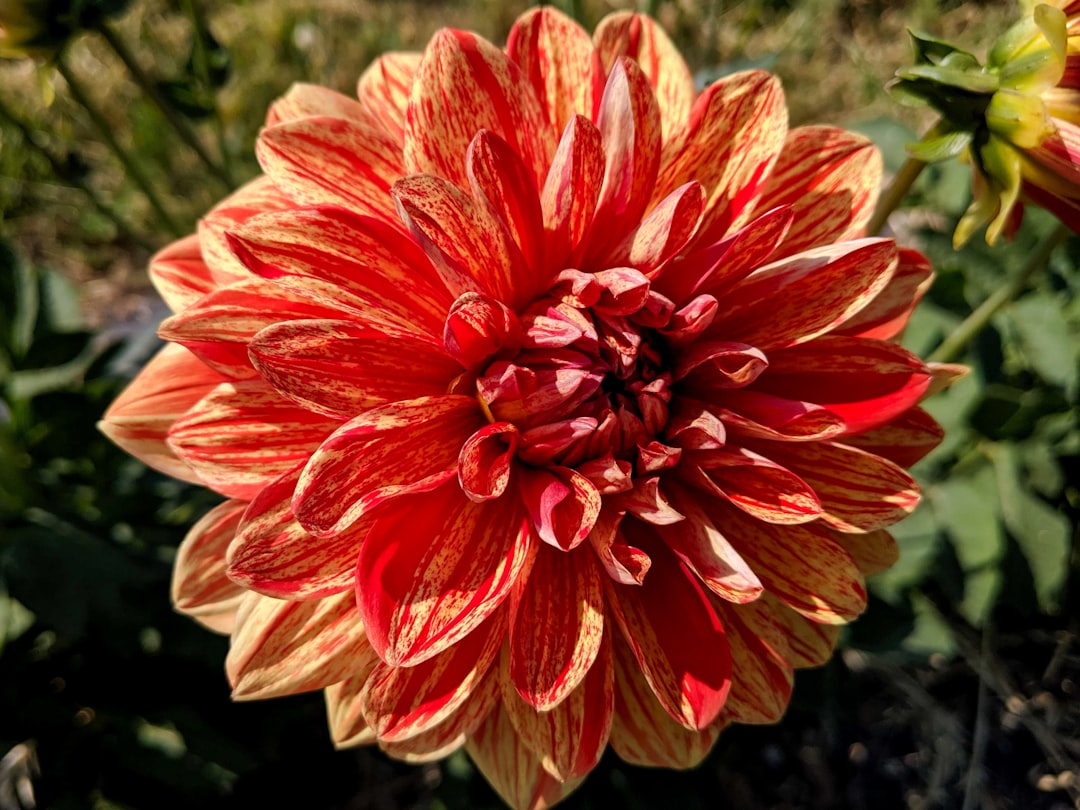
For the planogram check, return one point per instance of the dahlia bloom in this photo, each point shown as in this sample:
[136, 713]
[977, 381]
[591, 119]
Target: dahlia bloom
[555, 403]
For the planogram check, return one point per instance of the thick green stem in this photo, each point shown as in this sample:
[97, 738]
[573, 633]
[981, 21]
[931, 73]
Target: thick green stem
[175, 119]
[62, 173]
[954, 345]
[202, 72]
[131, 166]
[898, 189]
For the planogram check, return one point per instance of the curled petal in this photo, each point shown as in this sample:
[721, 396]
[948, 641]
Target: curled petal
[562, 503]
[478, 328]
[484, 463]
[623, 563]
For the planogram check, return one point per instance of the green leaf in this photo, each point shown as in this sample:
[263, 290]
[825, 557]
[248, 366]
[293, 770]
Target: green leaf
[976, 82]
[1041, 531]
[1049, 344]
[967, 507]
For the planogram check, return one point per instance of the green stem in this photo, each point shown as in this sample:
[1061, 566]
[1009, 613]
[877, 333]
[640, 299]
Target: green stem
[954, 345]
[202, 72]
[899, 187]
[64, 174]
[148, 86]
[131, 166]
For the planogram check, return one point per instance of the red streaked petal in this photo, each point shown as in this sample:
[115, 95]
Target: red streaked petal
[501, 181]
[339, 368]
[640, 38]
[138, 420]
[465, 84]
[859, 492]
[664, 231]
[831, 178]
[338, 161]
[769, 308]
[343, 706]
[242, 436]
[260, 196]
[179, 273]
[757, 485]
[484, 463]
[557, 58]
[305, 100]
[443, 739]
[865, 382]
[571, 190]
[402, 702]
[479, 328]
[761, 678]
[562, 503]
[886, 316]
[355, 264]
[810, 643]
[732, 139]
[904, 440]
[220, 325]
[512, 768]
[764, 416]
[570, 737]
[400, 447]
[273, 554]
[551, 649]
[873, 552]
[436, 565]
[803, 566]
[200, 588]
[282, 648]
[384, 88]
[629, 124]
[704, 549]
[675, 637]
[642, 732]
[625, 564]
[472, 249]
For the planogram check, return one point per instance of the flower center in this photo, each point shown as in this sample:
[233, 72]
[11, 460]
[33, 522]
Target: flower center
[591, 378]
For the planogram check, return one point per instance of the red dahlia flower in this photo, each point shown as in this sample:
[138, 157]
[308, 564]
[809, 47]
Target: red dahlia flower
[556, 403]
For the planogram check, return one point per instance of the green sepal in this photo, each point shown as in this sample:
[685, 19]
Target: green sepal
[933, 51]
[976, 81]
[936, 148]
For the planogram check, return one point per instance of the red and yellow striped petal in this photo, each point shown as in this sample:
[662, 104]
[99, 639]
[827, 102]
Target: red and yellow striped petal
[569, 738]
[385, 86]
[304, 100]
[435, 566]
[676, 638]
[769, 308]
[640, 38]
[512, 768]
[761, 678]
[397, 448]
[138, 420]
[803, 566]
[885, 317]
[465, 84]
[550, 650]
[642, 732]
[179, 273]
[557, 59]
[337, 161]
[904, 440]
[200, 587]
[273, 554]
[403, 702]
[570, 192]
[243, 435]
[732, 139]
[831, 178]
[281, 648]
[339, 368]
[373, 272]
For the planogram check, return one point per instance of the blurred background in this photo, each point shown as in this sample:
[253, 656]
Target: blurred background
[960, 687]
